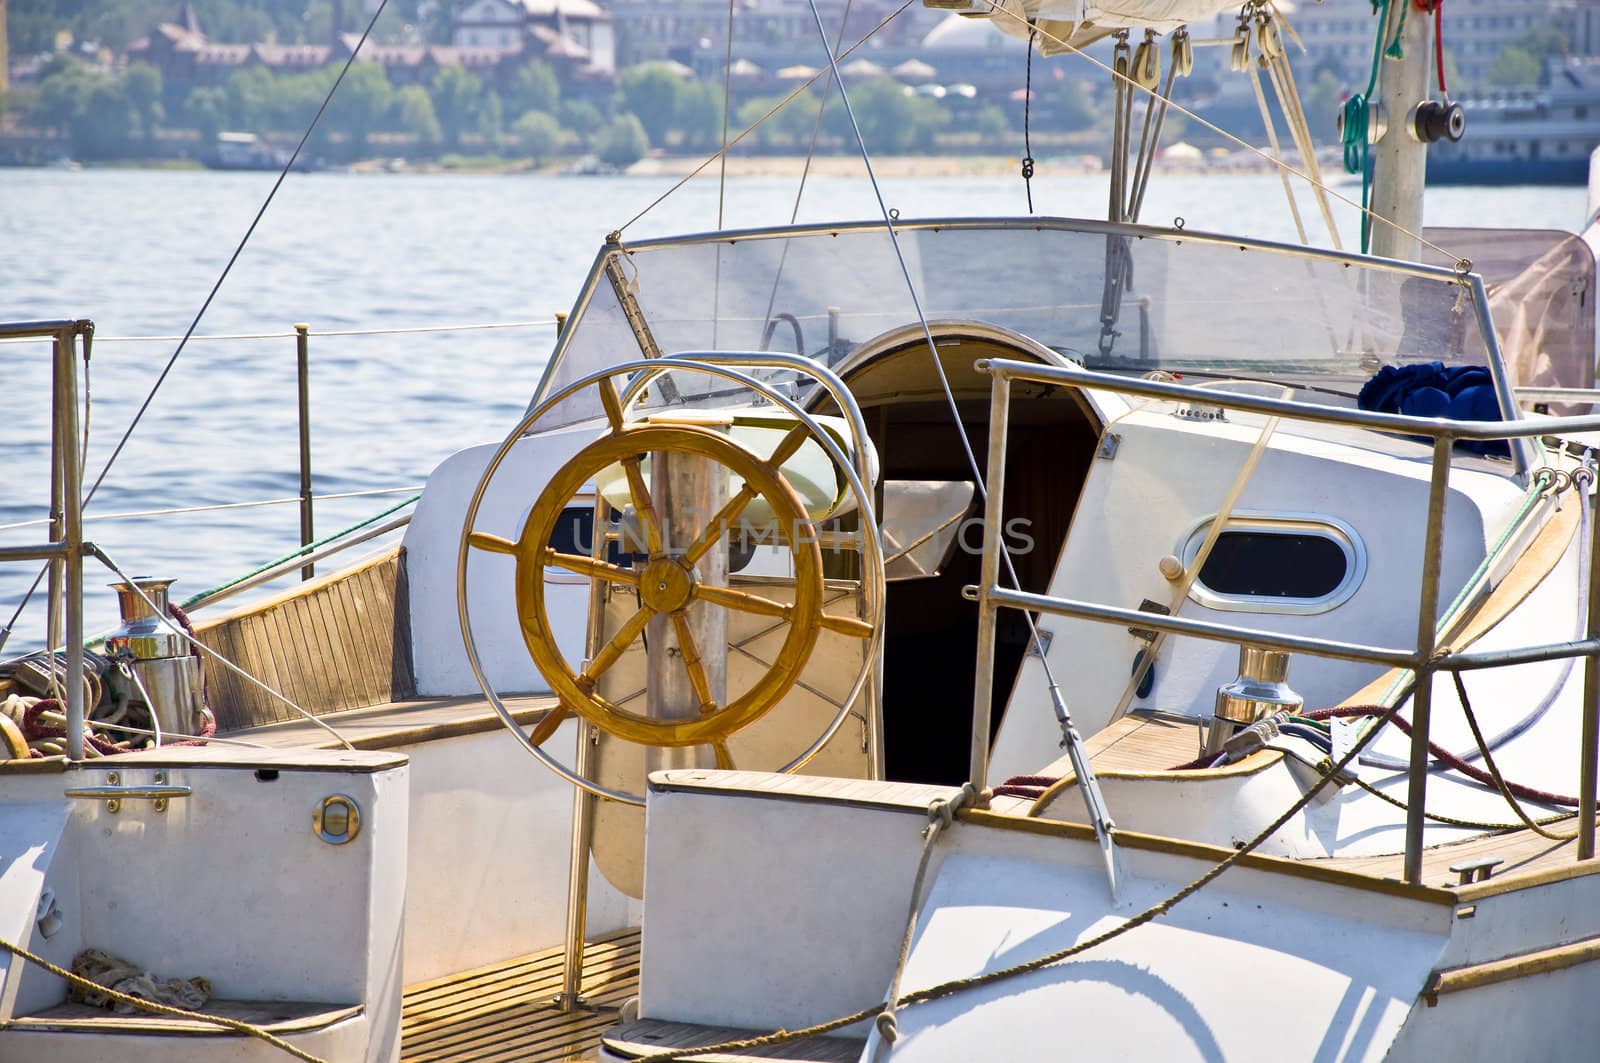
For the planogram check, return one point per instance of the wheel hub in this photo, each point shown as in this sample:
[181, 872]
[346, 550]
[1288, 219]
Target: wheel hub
[666, 585]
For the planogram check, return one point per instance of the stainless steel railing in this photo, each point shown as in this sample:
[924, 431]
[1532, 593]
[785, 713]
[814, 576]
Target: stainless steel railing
[301, 334]
[1423, 658]
[64, 548]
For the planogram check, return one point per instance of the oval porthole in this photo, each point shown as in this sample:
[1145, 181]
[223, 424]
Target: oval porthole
[1277, 563]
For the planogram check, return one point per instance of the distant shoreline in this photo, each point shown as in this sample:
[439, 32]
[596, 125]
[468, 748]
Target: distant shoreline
[737, 166]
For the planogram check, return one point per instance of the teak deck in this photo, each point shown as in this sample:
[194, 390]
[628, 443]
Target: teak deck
[1142, 743]
[504, 1013]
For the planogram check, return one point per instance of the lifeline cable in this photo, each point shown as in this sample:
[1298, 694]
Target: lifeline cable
[161, 378]
[237, 251]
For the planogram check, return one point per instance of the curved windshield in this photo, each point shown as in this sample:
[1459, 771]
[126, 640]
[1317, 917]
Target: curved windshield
[1108, 297]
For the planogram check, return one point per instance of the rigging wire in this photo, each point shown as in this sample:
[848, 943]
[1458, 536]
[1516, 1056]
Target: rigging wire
[1102, 822]
[1000, 10]
[161, 378]
[727, 97]
[805, 172]
[237, 251]
[1027, 108]
[753, 126]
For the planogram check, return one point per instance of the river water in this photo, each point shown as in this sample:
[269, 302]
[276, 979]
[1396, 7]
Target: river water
[137, 251]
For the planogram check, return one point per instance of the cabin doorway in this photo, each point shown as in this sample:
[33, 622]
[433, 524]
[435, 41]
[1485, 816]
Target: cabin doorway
[930, 636]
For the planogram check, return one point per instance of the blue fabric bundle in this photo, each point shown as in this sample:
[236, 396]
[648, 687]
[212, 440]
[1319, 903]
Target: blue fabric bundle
[1428, 389]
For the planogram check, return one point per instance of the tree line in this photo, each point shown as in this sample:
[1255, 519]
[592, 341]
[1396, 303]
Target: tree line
[105, 115]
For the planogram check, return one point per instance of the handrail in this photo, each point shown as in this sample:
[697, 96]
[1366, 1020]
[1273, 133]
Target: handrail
[65, 548]
[1422, 657]
[1403, 424]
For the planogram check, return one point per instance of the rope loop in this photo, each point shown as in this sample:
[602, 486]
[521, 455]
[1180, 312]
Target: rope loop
[1353, 132]
[887, 1028]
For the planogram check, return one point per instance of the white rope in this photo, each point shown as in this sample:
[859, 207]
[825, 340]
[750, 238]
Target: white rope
[1277, 152]
[1283, 84]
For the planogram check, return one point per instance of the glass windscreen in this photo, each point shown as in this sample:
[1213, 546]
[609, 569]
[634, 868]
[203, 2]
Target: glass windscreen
[1129, 300]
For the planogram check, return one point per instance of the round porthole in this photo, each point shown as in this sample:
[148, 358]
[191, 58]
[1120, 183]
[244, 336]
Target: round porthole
[337, 819]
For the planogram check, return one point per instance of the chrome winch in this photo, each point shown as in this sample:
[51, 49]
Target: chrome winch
[1261, 688]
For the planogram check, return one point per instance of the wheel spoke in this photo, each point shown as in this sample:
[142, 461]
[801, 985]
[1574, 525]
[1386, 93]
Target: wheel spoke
[847, 625]
[695, 666]
[552, 719]
[492, 543]
[589, 566]
[743, 601]
[643, 507]
[724, 758]
[790, 444]
[611, 401]
[719, 524]
[612, 650]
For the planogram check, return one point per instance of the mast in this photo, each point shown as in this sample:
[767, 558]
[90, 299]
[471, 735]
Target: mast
[1399, 158]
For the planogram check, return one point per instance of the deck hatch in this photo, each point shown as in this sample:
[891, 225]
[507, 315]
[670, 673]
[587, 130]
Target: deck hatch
[1285, 563]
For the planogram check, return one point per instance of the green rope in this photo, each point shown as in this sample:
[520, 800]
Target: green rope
[1395, 51]
[1356, 118]
[307, 548]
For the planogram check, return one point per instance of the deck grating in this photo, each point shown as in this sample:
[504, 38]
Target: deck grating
[502, 1013]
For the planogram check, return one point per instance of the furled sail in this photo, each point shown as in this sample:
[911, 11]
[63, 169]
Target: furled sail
[1067, 24]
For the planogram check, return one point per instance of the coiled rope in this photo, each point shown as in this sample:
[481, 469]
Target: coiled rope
[88, 986]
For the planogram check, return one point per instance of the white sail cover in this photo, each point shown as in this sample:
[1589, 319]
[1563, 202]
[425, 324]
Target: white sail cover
[1075, 23]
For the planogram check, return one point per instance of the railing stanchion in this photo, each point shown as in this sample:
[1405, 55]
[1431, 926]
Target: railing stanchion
[1427, 621]
[302, 343]
[993, 543]
[71, 479]
[1591, 689]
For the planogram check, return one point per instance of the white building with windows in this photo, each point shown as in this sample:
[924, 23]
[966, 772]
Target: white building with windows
[573, 29]
[1340, 35]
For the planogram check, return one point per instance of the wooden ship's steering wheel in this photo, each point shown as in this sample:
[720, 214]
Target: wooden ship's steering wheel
[667, 583]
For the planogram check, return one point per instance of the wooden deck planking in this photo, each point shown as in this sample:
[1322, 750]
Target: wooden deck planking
[1522, 851]
[328, 645]
[397, 723]
[1140, 743]
[645, 1037]
[502, 1013]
